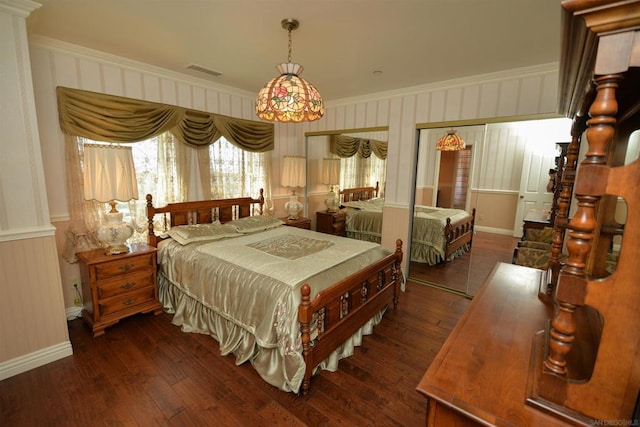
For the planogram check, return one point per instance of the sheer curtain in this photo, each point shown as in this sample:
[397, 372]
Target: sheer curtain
[239, 173]
[357, 171]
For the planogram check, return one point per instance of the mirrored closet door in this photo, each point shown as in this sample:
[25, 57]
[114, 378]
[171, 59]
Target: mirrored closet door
[485, 176]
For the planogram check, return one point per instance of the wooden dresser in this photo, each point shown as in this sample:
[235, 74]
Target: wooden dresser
[480, 374]
[331, 222]
[497, 368]
[117, 286]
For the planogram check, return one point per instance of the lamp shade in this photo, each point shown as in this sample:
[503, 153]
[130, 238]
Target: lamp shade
[289, 97]
[293, 172]
[330, 171]
[450, 142]
[109, 173]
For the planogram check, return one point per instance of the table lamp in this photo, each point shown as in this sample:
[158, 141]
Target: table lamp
[331, 177]
[110, 176]
[294, 176]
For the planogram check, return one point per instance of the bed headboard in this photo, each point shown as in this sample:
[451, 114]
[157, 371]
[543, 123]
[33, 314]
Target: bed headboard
[360, 193]
[202, 212]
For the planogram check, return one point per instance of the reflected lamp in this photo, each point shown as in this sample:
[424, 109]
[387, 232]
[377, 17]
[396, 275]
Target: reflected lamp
[450, 142]
[331, 177]
[293, 176]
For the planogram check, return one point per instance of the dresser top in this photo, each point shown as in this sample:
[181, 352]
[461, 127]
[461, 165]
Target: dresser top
[482, 369]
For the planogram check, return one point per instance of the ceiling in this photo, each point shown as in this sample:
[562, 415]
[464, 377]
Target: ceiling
[347, 47]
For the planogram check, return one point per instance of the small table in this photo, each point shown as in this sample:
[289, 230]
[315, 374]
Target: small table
[331, 222]
[300, 222]
[118, 286]
[536, 219]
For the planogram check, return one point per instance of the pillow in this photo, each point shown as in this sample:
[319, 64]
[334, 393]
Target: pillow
[185, 234]
[251, 224]
[374, 204]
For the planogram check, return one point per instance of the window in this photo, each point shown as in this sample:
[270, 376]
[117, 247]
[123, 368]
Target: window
[169, 171]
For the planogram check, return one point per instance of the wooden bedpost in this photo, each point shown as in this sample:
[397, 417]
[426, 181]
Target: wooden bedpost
[304, 315]
[396, 273]
[151, 239]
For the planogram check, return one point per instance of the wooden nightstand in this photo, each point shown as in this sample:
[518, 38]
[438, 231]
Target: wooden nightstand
[301, 222]
[118, 286]
[331, 222]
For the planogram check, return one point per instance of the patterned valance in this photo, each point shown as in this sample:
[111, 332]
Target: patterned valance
[110, 118]
[347, 146]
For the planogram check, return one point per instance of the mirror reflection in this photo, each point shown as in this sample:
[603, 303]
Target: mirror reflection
[503, 174]
[346, 174]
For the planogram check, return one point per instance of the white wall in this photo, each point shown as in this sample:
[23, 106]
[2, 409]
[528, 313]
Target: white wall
[33, 330]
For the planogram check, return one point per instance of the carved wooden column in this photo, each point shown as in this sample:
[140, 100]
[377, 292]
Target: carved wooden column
[561, 220]
[571, 288]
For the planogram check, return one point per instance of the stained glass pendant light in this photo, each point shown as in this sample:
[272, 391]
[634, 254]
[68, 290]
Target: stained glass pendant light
[289, 98]
[450, 142]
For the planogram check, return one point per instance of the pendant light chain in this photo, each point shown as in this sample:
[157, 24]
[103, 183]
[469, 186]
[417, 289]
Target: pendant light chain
[289, 57]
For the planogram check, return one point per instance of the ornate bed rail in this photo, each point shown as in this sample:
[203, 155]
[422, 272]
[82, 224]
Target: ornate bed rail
[339, 311]
[458, 234]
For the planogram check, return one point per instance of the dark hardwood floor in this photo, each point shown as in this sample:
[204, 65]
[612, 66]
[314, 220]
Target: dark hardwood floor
[466, 273]
[146, 372]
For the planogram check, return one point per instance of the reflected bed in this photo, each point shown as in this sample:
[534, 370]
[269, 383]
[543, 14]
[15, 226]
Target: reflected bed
[438, 234]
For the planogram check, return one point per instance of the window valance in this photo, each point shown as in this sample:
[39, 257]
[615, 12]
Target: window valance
[111, 118]
[348, 146]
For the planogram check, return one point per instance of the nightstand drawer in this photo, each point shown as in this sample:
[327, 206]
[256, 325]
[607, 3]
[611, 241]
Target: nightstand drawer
[125, 301]
[129, 283]
[331, 222]
[123, 266]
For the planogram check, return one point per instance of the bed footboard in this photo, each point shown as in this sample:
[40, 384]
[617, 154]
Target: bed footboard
[458, 234]
[339, 311]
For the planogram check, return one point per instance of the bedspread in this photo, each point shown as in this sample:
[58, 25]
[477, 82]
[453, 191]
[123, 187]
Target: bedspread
[428, 239]
[252, 310]
[364, 222]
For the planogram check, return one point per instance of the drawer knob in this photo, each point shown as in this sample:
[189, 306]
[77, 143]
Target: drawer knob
[129, 301]
[126, 267]
[127, 285]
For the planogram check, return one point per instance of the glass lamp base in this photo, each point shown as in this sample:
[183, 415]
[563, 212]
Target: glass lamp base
[332, 203]
[114, 234]
[293, 207]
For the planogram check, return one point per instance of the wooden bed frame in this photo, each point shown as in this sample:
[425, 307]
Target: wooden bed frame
[338, 311]
[457, 233]
[359, 193]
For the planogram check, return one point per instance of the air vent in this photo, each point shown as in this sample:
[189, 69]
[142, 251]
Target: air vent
[201, 69]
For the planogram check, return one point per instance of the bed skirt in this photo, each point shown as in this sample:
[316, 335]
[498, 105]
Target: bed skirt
[428, 254]
[280, 366]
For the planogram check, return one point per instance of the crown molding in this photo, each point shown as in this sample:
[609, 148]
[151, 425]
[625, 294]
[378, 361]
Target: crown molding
[60, 46]
[449, 84]
[21, 8]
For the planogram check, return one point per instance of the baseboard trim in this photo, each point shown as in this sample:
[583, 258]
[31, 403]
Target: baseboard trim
[493, 230]
[34, 360]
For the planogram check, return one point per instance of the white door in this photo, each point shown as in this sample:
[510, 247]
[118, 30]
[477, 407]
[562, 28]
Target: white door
[538, 159]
